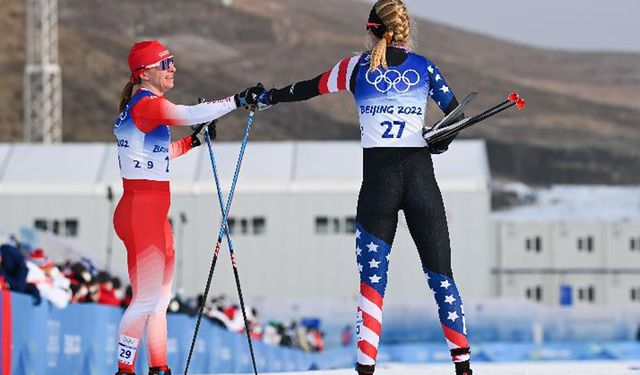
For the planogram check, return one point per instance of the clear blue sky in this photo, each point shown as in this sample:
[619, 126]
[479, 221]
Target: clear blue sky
[612, 25]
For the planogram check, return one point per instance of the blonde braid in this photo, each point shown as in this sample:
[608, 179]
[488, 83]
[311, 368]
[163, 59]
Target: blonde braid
[395, 18]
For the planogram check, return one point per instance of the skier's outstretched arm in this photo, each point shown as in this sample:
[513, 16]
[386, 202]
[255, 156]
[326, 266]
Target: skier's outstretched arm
[341, 77]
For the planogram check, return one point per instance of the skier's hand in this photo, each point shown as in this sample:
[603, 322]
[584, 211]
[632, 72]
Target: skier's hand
[442, 145]
[249, 97]
[197, 137]
[264, 101]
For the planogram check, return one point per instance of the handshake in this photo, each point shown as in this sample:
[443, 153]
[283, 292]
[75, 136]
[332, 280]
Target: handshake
[254, 97]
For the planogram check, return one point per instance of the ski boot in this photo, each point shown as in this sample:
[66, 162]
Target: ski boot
[365, 369]
[161, 370]
[462, 368]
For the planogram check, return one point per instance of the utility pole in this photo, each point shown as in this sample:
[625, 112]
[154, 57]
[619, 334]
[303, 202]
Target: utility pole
[42, 76]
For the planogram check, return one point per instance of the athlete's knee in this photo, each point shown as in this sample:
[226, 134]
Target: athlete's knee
[161, 305]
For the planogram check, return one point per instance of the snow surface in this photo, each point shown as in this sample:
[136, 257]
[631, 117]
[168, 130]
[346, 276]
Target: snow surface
[520, 368]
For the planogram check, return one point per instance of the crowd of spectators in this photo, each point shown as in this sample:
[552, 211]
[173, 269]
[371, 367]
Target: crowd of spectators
[32, 272]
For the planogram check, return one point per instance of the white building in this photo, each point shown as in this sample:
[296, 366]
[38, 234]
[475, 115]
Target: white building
[575, 246]
[292, 215]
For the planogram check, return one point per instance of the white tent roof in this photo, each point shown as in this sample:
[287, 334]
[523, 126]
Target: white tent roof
[267, 166]
[577, 203]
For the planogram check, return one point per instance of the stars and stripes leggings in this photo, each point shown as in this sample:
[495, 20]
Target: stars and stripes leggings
[140, 220]
[402, 179]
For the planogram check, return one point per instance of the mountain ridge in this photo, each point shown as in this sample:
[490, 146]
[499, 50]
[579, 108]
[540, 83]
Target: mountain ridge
[580, 123]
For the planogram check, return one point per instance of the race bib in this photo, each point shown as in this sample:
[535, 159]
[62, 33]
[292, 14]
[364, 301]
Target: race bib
[127, 348]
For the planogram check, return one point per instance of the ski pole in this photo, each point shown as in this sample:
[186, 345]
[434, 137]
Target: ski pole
[223, 229]
[513, 99]
[230, 243]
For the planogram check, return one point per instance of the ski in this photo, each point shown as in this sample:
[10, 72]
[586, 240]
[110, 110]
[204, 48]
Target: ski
[447, 120]
[437, 135]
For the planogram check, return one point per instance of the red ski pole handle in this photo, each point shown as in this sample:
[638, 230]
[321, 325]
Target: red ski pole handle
[515, 97]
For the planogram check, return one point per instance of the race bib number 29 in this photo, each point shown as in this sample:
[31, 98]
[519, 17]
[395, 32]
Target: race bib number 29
[127, 348]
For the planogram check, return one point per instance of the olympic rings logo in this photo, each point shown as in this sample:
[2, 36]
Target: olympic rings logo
[393, 79]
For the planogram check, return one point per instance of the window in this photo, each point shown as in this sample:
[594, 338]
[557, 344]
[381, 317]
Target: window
[587, 294]
[68, 227]
[635, 294]
[40, 224]
[247, 225]
[335, 225]
[244, 226]
[71, 227]
[231, 223]
[585, 244]
[534, 293]
[634, 244]
[350, 225]
[322, 225]
[533, 244]
[55, 226]
[259, 224]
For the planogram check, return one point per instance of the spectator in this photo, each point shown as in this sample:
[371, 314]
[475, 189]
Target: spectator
[128, 296]
[14, 272]
[106, 291]
[80, 280]
[271, 336]
[3, 283]
[346, 336]
[51, 283]
[117, 285]
[316, 339]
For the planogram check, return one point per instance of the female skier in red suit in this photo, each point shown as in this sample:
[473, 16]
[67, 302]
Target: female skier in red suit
[145, 150]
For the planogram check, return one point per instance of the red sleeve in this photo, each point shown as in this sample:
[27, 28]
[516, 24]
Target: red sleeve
[180, 147]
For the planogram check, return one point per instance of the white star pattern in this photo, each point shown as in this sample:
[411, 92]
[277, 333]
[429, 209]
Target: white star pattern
[358, 251]
[452, 316]
[444, 89]
[372, 247]
[449, 299]
[388, 255]
[357, 233]
[430, 69]
[359, 267]
[438, 77]
[445, 284]
[375, 279]
[373, 263]
[431, 92]
[427, 275]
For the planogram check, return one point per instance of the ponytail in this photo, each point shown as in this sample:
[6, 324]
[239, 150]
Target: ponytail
[379, 52]
[125, 96]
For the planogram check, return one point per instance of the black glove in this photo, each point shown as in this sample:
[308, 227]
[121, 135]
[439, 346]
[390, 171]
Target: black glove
[443, 145]
[197, 137]
[249, 96]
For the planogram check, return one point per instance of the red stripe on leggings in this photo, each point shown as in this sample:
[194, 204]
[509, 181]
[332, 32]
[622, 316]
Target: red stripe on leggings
[368, 349]
[5, 348]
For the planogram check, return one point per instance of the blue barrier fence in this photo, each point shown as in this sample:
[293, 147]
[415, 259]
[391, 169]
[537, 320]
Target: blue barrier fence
[81, 339]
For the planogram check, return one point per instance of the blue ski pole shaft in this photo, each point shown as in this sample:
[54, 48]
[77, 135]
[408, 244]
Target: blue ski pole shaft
[224, 229]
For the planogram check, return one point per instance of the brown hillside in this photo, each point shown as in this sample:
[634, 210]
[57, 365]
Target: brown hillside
[581, 123]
